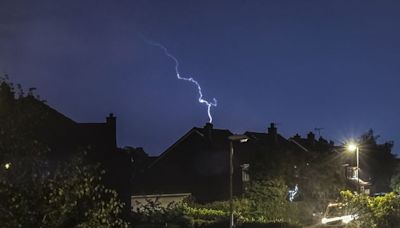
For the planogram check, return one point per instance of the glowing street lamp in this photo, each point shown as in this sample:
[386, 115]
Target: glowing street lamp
[233, 138]
[354, 147]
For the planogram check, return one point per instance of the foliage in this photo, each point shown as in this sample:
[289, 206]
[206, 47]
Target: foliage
[318, 172]
[69, 196]
[205, 213]
[377, 161]
[37, 191]
[268, 225]
[264, 202]
[268, 200]
[154, 214]
[381, 211]
[322, 179]
[395, 181]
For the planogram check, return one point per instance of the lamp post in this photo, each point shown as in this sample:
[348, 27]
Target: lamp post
[354, 147]
[233, 138]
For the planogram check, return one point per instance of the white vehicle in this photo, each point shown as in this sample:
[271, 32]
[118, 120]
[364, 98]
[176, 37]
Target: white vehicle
[336, 215]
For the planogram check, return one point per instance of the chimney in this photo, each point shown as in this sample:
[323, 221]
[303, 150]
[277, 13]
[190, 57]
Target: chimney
[297, 137]
[273, 132]
[208, 130]
[311, 137]
[111, 122]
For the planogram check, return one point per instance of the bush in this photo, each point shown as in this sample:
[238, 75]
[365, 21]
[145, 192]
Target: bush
[153, 214]
[265, 205]
[269, 225]
[250, 225]
[381, 211]
[69, 196]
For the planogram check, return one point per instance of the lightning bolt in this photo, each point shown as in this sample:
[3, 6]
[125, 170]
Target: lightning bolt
[209, 104]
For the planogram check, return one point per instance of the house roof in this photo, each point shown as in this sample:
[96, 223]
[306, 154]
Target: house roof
[41, 105]
[265, 137]
[216, 137]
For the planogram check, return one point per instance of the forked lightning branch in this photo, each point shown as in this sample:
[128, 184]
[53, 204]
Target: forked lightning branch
[209, 104]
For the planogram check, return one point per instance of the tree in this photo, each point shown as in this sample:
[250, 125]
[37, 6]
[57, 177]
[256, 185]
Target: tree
[69, 196]
[395, 181]
[377, 161]
[37, 191]
[321, 179]
[268, 200]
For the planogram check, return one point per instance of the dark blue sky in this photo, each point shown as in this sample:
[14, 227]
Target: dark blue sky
[302, 64]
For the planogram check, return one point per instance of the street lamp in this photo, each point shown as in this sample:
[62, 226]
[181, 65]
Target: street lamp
[354, 147]
[233, 138]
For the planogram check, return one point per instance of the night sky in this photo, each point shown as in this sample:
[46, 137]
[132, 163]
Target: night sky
[302, 64]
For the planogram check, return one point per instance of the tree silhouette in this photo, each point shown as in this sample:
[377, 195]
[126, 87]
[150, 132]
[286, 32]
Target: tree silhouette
[37, 191]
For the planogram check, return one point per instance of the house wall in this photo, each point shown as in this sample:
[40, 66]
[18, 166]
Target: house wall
[198, 165]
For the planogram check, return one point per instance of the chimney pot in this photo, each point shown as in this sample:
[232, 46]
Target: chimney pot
[272, 129]
[208, 126]
[273, 133]
[311, 136]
